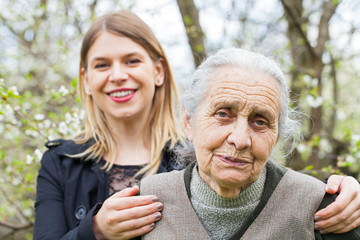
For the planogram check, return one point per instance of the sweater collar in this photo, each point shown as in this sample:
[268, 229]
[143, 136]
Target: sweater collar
[205, 194]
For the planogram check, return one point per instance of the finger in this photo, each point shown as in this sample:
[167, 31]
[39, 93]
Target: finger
[339, 221]
[133, 224]
[129, 202]
[342, 220]
[134, 233]
[342, 226]
[127, 192]
[333, 183]
[135, 213]
[351, 226]
[349, 190]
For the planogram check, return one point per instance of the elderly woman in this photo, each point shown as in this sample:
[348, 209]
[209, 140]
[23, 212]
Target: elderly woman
[235, 113]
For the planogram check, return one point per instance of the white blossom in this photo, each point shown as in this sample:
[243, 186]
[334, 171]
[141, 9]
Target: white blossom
[315, 82]
[301, 148]
[64, 91]
[14, 90]
[314, 102]
[350, 159]
[31, 133]
[68, 118]
[341, 116]
[39, 116]
[38, 154]
[325, 145]
[355, 137]
[63, 128]
[29, 159]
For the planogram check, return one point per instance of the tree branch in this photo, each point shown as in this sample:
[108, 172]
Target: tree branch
[295, 20]
[329, 8]
[194, 32]
[16, 227]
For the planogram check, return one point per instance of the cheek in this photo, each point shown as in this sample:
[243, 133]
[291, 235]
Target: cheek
[263, 144]
[209, 135]
[207, 139]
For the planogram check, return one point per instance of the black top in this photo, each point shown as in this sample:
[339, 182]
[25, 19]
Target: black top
[70, 190]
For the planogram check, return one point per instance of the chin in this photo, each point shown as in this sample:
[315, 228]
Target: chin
[235, 181]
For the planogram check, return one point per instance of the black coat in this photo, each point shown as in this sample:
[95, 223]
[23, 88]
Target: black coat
[70, 191]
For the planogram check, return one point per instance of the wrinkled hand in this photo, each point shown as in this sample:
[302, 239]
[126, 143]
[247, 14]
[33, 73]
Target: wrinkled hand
[342, 215]
[125, 216]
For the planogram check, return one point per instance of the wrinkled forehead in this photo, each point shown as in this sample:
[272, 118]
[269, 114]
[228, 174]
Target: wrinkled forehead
[242, 84]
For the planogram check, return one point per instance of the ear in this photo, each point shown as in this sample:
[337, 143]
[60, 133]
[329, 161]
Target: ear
[85, 80]
[159, 72]
[187, 125]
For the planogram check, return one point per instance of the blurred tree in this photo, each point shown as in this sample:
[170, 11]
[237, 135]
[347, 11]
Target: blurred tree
[308, 60]
[194, 32]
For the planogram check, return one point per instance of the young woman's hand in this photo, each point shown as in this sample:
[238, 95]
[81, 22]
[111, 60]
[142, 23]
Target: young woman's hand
[125, 216]
[342, 215]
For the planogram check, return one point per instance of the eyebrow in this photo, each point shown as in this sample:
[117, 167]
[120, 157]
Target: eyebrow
[101, 58]
[257, 109]
[263, 111]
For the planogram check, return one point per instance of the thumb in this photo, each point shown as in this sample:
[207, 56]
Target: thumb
[128, 192]
[333, 183]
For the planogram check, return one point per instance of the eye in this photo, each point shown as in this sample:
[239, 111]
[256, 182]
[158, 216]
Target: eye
[259, 122]
[133, 61]
[101, 65]
[223, 114]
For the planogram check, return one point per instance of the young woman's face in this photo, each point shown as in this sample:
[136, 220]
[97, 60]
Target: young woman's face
[121, 77]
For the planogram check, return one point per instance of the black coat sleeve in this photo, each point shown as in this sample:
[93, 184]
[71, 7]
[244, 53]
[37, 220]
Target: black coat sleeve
[50, 213]
[351, 235]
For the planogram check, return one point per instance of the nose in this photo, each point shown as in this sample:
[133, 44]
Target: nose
[117, 73]
[240, 135]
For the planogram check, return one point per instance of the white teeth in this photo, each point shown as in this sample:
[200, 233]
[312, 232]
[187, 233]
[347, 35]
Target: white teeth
[121, 93]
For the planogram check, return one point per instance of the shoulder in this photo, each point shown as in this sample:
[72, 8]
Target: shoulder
[155, 184]
[163, 177]
[300, 179]
[66, 147]
[290, 179]
[59, 155]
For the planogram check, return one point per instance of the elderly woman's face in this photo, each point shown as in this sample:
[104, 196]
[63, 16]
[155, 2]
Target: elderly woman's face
[235, 128]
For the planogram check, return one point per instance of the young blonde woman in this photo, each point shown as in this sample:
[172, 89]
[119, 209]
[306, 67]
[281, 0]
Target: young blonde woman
[86, 186]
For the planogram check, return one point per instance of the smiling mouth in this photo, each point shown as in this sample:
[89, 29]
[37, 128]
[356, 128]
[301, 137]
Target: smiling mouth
[234, 161]
[120, 94]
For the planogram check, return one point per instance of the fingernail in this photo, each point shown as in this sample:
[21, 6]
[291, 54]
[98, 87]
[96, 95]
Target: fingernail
[323, 232]
[155, 199]
[316, 227]
[330, 187]
[157, 216]
[159, 206]
[152, 225]
[317, 218]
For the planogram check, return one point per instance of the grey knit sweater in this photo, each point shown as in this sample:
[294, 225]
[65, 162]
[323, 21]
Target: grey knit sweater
[223, 216]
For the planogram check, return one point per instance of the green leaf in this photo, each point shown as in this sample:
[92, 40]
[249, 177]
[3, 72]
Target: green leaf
[310, 167]
[74, 83]
[187, 20]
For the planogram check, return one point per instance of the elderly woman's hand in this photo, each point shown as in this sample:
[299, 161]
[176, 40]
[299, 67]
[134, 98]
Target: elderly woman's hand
[125, 216]
[343, 214]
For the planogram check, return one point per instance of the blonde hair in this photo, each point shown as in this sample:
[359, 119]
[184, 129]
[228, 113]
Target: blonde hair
[162, 120]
